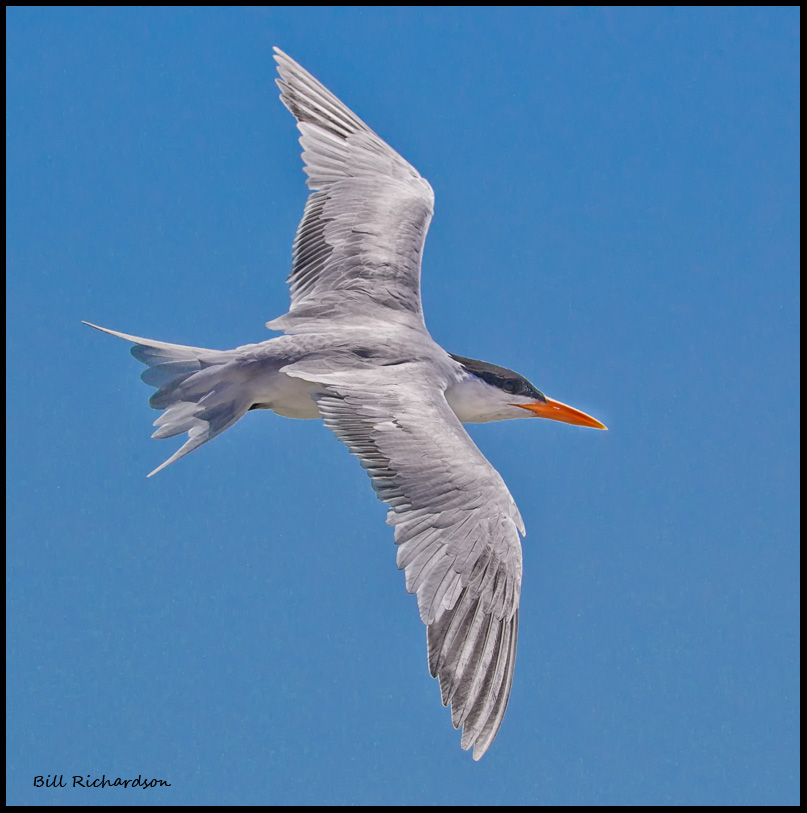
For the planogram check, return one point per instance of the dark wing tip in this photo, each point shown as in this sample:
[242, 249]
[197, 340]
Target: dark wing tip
[311, 102]
[472, 653]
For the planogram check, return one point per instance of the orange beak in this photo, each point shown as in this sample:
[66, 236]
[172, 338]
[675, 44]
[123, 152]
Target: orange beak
[556, 411]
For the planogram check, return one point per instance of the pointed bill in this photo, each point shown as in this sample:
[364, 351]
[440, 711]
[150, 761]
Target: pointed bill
[556, 411]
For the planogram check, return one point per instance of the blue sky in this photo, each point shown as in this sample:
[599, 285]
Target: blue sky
[617, 217]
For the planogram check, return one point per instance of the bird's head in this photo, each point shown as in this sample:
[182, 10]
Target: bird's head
[490, 393]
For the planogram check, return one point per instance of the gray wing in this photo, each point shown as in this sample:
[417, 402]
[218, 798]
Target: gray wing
[456, 527]
[358, 248]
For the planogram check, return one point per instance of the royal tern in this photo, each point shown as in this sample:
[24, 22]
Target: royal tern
[356, 353]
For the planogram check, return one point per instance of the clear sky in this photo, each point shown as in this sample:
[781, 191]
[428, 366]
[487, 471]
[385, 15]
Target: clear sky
[617, 218]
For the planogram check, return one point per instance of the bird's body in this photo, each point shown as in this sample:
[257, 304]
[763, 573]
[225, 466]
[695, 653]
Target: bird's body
[356, 353]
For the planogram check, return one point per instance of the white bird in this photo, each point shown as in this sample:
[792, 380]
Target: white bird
[356, 353]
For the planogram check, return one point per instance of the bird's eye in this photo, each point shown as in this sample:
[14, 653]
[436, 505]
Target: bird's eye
[510, 386]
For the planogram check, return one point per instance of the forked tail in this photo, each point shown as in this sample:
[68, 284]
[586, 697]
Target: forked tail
[199, 390]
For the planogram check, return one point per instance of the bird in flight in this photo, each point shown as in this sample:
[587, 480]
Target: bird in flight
[356, 353]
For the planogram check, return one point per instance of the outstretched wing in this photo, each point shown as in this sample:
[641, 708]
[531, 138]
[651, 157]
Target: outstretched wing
[456, 527]
[358, 248]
